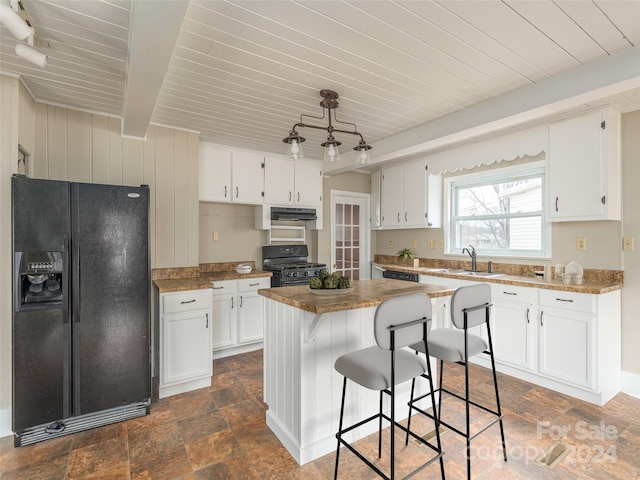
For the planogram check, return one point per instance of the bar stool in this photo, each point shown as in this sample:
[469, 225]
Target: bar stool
[470, 306]
[398, 322]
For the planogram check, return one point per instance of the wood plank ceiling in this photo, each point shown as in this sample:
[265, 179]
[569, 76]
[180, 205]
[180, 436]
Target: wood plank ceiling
[242, 72]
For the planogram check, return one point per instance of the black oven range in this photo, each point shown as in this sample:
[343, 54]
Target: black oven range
[289, 265]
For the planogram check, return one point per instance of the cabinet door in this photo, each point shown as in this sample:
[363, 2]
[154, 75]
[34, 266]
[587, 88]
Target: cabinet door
[250, 317]
[223, 321]
[391, 204]
[308, 184]
[565, 346]
[414, 194]
[375, 200]
[186, 352]
[215, 174]
[247, 178]
[575, 168]
[512, 333]
[278, 181]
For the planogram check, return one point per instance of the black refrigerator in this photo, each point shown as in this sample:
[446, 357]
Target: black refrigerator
[81, 306]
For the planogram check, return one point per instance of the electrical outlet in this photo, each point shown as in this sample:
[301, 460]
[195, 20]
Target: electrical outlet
[389, 243]
[414, 243]
[441, 244]
[627, 244]
[216, 236]
[581, 243]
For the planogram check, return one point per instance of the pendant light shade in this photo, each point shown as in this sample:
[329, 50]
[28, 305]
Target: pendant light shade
[294, 145]
[329, 103]
[363, 153]
[331, 153]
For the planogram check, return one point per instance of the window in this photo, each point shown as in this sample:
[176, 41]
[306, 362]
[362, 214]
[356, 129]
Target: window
[499, 212]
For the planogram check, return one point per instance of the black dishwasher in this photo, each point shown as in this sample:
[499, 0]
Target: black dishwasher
[395, 275]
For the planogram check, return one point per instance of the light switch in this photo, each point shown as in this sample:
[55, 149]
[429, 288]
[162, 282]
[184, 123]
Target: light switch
[216, 237]
[581, 243]
[414, 243]
[627, 244]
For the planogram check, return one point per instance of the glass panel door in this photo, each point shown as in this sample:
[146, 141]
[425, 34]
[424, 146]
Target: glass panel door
[350, 235]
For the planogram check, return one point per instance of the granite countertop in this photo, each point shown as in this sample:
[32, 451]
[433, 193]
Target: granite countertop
[366, 293]
[592, 287]
[203, 281]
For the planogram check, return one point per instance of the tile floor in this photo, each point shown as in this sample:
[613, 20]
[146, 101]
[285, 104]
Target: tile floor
[220, 433]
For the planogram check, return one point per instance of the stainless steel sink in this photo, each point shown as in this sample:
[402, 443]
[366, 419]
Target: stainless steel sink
[457, 271]
[446, 270]
[481, 274]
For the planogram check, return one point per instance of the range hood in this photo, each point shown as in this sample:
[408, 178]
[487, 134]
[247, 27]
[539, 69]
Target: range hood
[293, 213]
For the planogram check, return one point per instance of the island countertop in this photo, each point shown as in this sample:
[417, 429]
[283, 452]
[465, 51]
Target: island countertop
[366, 293]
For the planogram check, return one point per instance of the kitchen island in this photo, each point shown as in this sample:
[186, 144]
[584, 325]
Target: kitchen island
[304, 335]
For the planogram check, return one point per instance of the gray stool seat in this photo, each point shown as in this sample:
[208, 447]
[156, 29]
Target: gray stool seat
[448, 344]
[470, 307]
[398, 323]
[371, 367]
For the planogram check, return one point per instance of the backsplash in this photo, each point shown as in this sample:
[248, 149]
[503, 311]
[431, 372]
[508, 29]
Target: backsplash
[189, 272]
[590, 275]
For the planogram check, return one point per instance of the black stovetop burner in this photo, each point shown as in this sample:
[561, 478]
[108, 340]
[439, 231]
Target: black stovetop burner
[289, 264]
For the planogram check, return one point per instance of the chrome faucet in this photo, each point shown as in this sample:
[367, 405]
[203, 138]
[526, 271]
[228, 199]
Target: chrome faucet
[472, 254]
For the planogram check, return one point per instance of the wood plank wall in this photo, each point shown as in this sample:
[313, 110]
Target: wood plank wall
[84, 147]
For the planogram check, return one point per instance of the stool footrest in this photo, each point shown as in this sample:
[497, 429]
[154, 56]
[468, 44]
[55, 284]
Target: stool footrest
[403, 428]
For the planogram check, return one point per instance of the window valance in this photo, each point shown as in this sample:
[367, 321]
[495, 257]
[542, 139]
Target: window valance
[529, 142]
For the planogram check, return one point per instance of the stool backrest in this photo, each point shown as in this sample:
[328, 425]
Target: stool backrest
[470, 296]
[397, 311]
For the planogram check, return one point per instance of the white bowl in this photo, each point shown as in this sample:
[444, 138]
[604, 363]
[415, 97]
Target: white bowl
[244, 268]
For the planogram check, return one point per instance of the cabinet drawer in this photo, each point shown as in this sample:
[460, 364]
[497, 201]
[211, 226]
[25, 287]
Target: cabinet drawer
[253, 284]
[186, 301]
[576, 302]
[512, 293]
[224, 287]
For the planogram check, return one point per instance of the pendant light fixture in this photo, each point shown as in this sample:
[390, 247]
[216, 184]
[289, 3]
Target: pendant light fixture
[329, 103]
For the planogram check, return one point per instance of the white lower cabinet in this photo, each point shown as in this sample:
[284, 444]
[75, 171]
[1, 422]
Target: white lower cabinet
[565, 341]
[238, 316]
[184, 344]
[513, 327]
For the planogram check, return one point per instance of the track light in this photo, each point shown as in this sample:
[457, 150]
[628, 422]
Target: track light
[329, 102]
[31, 55]
[14, 23]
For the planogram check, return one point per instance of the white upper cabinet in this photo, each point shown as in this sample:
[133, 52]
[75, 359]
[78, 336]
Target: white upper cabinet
[247, 178]
[227, 176]
[376, 214]
[584, 167]
[278, 181]
[410, 196]
[292, 183]
[308, 183]
[215, 174]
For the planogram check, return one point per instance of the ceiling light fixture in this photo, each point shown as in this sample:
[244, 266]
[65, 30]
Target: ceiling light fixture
[31, 55]
[21, 29]
[14, 22]
[331, 154]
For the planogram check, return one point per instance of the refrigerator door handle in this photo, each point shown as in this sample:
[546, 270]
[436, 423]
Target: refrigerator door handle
[75, 278]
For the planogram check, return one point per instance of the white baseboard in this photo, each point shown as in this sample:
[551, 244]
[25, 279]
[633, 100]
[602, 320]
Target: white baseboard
[631, 384]
[5, 422]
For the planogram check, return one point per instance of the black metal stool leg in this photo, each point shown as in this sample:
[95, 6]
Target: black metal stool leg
[380, 428]
[339, 434]
[413, 386]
